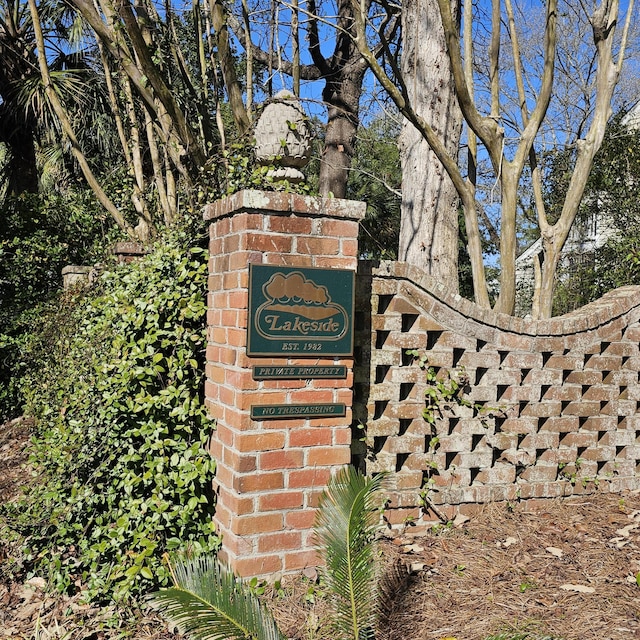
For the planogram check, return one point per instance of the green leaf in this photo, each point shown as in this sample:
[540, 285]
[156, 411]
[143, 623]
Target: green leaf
[347, 521]
[209, 603]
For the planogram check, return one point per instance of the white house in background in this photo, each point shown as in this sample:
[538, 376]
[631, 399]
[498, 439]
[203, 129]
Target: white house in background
[585, 237]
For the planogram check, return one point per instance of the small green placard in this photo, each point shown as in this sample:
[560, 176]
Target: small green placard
[299, 372]
[300, 312]
[273, 411]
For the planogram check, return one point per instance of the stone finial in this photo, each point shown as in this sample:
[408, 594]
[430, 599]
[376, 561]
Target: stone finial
[283, 138]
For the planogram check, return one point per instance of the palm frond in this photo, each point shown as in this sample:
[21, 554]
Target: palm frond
[69, 84]
[346, 525]
[209, 603]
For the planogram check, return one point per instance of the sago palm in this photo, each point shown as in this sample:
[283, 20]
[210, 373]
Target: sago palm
[346, 524]
[210, 603]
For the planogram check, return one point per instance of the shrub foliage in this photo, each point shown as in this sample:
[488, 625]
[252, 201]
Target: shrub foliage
[121, 442]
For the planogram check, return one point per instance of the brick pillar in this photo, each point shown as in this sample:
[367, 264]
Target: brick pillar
[271, 471]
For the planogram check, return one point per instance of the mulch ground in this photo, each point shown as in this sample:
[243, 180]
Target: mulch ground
[565, 570]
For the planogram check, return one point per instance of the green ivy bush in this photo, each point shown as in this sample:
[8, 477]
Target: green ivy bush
[122, 431]
[39, 235]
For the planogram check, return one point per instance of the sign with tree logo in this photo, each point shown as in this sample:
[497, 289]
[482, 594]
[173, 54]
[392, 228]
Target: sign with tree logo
[300, 312]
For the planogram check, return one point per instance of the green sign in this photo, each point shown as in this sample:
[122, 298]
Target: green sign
[268, 372]
[300, 312]
[273, 411]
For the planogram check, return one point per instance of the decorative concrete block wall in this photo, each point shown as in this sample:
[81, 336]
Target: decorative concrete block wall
[554, 404]
[271, 472]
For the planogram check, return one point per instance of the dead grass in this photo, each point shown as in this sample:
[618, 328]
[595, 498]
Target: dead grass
[565, 570]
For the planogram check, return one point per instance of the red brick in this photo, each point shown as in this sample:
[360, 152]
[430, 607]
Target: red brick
[238, 299]
[223, 516]
[257, 523]
[216, 449]
[599, 423]
[300, 560]
[311, 437]
[289, 459]
[247, 221]
[294, 225]
[211, 391]
[264, 242]
[239, 379]
[341, 422]
[259, 482]
[231, 243]
[219, 335]
[229, 318]
[238, 545]
[227, 396]
[241, 463]
[224, 434]
[225, 476]
[288, 260]
[227, 356]
[300, 519]
[221, 263]
[263, 441]
[236, 337]
[262, 397]
[311, 396]
[401, 516]
[215, 373]
[582, 408]
[238, 505]
[214, 318]
[603, 363]
[285, 424]
[561, 424]
[241, 259]
[348, 247]
[599, 393]
[542, 409]
[326, 262]
[342, 436]
[284, 541]
[309, 478]
[280, 501]
[584, 377]
[325, 456]
[240, 420]
[230, 280]
[567, 392]
[346, 396]
[318, 246]
[257, 566]
[339, 228]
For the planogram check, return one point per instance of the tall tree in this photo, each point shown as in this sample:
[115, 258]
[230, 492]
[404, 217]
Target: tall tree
[429, 213]
[510, 145]
[17, 125]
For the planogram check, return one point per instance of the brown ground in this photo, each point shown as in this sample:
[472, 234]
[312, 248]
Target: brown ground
[566, 570]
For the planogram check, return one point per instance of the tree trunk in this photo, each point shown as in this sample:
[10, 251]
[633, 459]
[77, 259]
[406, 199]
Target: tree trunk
[343, 74]
[506, 302]
[342, 96]
[429, 213]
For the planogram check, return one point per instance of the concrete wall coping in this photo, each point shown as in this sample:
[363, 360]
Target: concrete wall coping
[278, 203]
[612, 305]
